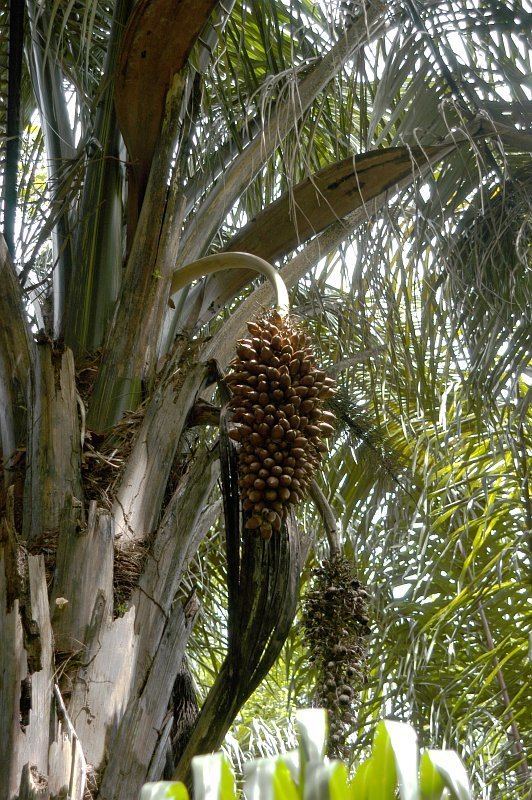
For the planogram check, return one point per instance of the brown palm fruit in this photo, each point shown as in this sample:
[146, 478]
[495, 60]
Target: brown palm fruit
[280, 421]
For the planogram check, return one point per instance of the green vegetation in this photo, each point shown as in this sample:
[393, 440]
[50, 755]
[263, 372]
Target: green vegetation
[393, 764]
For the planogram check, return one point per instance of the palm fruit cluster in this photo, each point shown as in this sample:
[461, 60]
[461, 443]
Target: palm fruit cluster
[278, 397]
[336, 627]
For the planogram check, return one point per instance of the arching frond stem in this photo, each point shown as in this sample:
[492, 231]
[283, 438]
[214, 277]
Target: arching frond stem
[224, 261]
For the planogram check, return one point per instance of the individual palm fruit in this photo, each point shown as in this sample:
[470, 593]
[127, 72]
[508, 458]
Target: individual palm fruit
[278, 399]
[336, 627]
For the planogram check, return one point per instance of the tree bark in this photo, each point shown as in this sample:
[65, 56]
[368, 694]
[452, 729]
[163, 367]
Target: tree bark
[122, 653]
[137, 737]
[82, 596]
[116, 675]
[140, 493]
[53, 480]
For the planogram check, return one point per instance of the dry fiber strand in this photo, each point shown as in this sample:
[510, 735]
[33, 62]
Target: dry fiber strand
[278, 397]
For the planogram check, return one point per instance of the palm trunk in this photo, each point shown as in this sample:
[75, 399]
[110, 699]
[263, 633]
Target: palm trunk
[76, 677]
[114, 674]
[86, 687]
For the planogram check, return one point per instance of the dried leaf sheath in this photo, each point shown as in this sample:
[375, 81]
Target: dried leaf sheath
[229, 481]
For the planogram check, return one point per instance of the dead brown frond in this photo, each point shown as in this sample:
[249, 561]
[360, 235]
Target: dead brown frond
[128, 565]
[46, 545]
[86, 373]
[104, 457]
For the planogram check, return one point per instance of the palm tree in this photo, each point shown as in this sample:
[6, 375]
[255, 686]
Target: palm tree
[378, 155]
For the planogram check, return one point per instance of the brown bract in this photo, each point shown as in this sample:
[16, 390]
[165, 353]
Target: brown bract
[157, 42]
[278, 397]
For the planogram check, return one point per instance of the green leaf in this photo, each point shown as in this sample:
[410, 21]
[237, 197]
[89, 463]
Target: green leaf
[284, 787]
[359, 786]
[161, 790]
[382, 775]
[383, 772]
[324, 781]
[178, 791]
[213, 778]
[291, 760]
[339, 782]
[228, 783]
[430, 781]
[451, 771]
[258, 779]
[403, 742]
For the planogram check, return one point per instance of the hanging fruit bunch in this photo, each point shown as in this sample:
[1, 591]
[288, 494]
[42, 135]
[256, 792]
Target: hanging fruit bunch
[278, 398]
[335, 622]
